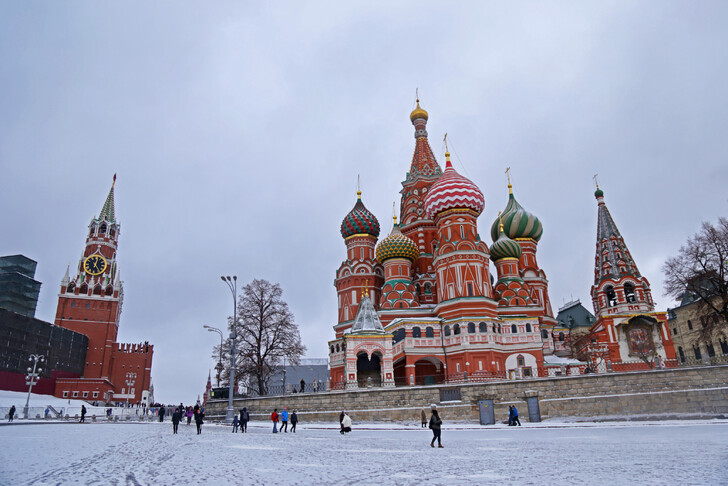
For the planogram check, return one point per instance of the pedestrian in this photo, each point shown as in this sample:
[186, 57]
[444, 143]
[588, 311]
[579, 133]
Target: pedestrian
[235, 424]
[176, 417]
[294, 421]
[315, 385]
[515, 416]
[423, 418]
[510, 415]
[11, 413]
[303, 385]
[274, 419]
[46, 412]
[346, 424]
[435, 426]
[199, 415]
[161, 413]
[341, 421]
[189, 415]
[83, 413]
[244, 417]
[284, 420]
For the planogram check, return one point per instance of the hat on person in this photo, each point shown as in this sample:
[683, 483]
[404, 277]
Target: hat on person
[433, 407]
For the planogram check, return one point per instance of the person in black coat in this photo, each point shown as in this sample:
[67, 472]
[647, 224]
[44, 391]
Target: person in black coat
[294, 421]
[176, 417]
[83, 413]
[244, 417]
[435, 426]
[161, 413]
[11, 413]
[198, 418]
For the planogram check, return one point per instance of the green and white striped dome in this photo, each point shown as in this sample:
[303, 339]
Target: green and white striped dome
[517, 222]
[505, 247]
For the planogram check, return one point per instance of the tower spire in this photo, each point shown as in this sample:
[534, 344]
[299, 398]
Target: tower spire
[508, 175]
[107, 211]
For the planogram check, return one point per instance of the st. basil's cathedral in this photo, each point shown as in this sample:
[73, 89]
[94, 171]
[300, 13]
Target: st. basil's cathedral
[421, 307]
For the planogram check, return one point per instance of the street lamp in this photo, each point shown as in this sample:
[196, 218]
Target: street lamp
[32, 377]
[219, 363]
[130, 380]
[232, 284]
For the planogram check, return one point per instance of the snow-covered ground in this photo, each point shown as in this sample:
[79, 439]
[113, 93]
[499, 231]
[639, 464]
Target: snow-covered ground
[680, 452]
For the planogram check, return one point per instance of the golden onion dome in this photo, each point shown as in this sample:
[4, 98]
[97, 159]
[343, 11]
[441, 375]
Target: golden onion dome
[418, 113]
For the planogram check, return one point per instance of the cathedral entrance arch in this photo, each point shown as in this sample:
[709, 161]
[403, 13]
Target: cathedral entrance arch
[429, 371]
[369, 369]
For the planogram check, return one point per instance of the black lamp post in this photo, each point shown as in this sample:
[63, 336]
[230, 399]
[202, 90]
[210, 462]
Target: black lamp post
[232, 284]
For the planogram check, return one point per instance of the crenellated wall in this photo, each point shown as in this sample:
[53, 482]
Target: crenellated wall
[672, 393]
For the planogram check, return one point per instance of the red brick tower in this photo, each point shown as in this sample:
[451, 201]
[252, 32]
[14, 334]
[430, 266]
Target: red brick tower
[416, 224]
[90, 304]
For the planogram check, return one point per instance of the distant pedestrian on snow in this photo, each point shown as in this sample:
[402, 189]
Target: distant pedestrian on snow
[189, 415]
[303, 385]
[435, 426]
[47, 412]
[515, 416]
[423, 418]
[83, 413]
[341, 421]
[294, 421]
[274, 418]
[235, 424]
[176, 417]
[161, 413]
[199, 415]
[284, 420]
[244, 417]
[346, 424]
[11, 413]
[510, 415]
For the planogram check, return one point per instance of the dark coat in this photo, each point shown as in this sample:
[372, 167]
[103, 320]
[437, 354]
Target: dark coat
[435, 421]
[176, 417]
[294, 418]
[199, 416]
[244, 415]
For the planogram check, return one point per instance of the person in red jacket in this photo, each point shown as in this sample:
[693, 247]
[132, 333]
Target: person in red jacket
[274, 418]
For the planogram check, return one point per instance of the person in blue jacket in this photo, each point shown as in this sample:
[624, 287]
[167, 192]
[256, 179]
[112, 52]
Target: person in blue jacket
[284, 420]
[515, 416]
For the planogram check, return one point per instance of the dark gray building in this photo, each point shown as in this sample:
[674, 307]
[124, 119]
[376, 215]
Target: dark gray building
[18, 288]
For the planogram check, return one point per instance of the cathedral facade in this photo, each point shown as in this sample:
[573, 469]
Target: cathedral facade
[89, 303]
[420, 306]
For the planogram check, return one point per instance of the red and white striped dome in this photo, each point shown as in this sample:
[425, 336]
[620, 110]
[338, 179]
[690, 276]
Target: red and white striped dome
[453, 191]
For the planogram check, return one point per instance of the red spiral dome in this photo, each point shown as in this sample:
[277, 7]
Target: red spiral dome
[453, 191]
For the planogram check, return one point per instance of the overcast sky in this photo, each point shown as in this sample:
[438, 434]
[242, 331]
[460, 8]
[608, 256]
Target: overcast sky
[237, 131]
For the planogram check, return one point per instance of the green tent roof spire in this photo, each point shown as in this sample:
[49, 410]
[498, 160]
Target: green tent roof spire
[107, 212]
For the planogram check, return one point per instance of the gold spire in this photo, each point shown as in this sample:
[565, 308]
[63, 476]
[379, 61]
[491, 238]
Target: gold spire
[394, 214]
[358, 187]
[500, 223]
[596, 181]
[508, 174]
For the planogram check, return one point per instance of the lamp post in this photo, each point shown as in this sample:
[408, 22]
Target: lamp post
[32, 378]
[130, 380]
[219, 363]
[232, 284]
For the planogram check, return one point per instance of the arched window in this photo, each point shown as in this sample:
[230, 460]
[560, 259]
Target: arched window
[112, 231]
[471, 328]
[416, 332]
[332, 350]
[514, 329]
[544, 334]
[98, 290]
[337, 348]
[629, 292]
[102, 229]
[428, 288]
[528, 327]
[520, 360]
[482, 327]
[71, 287]
[611, 296]
[92, 230]
[84, 288]
[109, 290]
[681, 353]
[417, 288]
[447, 330]
[429, 332]
[500, 329]
[561, 337]
[456, 329]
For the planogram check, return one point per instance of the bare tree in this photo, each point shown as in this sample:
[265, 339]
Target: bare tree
[701, 270]
[266, 335]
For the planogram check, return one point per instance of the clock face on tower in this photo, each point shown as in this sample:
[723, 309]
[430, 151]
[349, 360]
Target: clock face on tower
[94, 265]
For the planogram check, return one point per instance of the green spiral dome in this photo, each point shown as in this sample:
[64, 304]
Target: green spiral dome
[396, 245]
[517, 222]
[505, 247]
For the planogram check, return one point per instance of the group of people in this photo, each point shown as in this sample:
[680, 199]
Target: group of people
[180, 412]
[283, 418]
[241, 422]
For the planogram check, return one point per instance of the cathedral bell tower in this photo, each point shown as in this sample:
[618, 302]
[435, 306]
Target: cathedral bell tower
[90, 302]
